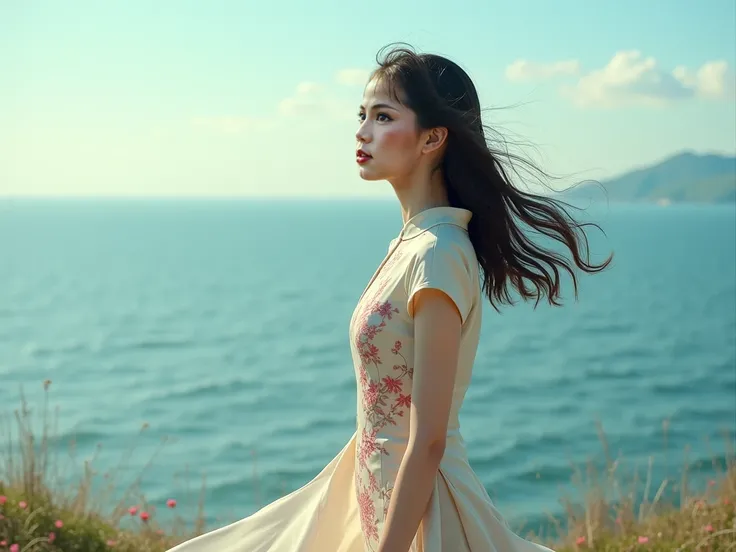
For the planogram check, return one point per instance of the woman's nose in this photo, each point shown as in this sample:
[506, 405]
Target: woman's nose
[361, 135]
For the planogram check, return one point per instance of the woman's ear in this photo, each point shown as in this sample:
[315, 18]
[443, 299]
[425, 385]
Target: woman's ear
[435, 139]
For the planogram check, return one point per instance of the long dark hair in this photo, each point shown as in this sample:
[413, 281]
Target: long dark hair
[441, 94]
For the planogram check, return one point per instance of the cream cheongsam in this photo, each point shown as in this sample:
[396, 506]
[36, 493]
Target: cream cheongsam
[344, 507]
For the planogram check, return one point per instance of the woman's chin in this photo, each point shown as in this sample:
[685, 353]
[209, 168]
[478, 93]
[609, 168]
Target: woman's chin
[366, 174]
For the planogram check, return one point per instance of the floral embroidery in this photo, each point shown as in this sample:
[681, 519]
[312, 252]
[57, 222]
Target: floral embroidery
[384, 395]
[367, 515]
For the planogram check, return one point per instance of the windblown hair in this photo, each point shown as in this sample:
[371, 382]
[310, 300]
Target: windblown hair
[441, 94]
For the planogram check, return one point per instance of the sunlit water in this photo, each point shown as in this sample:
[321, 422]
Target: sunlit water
[223, 325]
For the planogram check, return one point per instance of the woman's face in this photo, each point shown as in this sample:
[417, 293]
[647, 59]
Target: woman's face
[388, 134]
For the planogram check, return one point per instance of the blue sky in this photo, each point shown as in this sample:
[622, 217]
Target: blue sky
[260, 98]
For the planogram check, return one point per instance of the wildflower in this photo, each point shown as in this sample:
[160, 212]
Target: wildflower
[643, 540]
[22, 505]
[52, 537]
[3, 543]
[111, 543]
[133, 510]
[171, 503]
[580, 540]
[726, 501]
[59, 524]
[3, 499]
[708, 528]
[145, 516]
[15, 548]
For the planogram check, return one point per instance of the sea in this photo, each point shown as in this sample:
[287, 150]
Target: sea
[203, 344]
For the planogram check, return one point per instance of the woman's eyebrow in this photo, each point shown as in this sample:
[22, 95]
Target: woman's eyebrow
[380, 106]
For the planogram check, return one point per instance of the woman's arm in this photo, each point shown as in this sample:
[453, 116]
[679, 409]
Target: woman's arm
[437, 328]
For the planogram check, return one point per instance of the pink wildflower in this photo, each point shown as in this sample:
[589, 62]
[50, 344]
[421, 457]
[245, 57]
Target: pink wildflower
[3, 543]
[708, 528]
[580, 540]
[171, 503]
[133, 510]
[22, 505]
[3, 499]
[15, 548]
[145, 516]
[111, 543]
[59, 524]
[643, 540]
[52, 537]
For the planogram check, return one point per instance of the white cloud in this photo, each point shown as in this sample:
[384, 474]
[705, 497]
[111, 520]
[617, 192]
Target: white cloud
[524, 70]
[629, 78]
[311, 98]
[712, 80]
[307, 98]
[352, 77]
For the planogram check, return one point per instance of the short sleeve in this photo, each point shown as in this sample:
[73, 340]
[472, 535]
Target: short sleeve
[442, 263]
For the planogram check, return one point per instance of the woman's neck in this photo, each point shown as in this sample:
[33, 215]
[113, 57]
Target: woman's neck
[422, 195]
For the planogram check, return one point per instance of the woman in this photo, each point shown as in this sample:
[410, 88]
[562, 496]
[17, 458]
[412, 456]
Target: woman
[403, 481]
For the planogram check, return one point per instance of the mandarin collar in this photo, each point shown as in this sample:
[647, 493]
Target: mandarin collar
[424, 220]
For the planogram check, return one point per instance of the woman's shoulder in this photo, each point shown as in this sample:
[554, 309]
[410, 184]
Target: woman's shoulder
[442, 257]
[443, 241]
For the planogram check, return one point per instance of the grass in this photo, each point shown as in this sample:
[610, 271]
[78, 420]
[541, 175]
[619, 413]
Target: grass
[43, 509]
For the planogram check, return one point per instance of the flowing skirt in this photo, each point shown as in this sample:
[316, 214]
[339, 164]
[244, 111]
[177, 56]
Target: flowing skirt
[323, 516]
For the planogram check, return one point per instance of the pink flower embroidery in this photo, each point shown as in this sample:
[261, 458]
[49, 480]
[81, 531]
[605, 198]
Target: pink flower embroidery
[368, 515]
[404, 400]
[393, 385]
[369, 354]
[386, 310]
[381, 400]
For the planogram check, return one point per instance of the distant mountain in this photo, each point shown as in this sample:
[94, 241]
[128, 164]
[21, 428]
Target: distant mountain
[685, 177]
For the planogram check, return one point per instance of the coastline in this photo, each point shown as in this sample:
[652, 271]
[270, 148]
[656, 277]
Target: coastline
[40, 511]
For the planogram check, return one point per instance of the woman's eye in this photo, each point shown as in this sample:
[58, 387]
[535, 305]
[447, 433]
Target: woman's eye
[361, 116]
